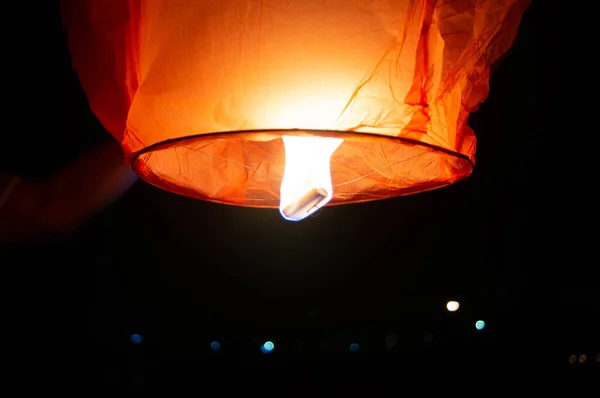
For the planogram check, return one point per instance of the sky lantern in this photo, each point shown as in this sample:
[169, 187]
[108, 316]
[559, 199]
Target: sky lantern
[291, 104]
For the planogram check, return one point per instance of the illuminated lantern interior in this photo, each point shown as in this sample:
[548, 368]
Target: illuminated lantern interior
[291, 104]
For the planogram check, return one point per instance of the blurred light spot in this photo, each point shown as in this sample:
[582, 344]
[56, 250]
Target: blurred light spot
[390, 341]
[598, 358]
[582, 358]
[479, 325]
[354, 347]
[428, 337]
[267, 347]
[215, 346]
[572, 358]
[452, 306]
[136, 338]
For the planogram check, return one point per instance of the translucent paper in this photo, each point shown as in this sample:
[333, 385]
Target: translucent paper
[200, 92]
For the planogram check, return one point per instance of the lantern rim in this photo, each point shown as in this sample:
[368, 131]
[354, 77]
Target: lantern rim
[147, 173]
[278, 133]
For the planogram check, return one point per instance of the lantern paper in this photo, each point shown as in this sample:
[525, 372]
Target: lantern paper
[200, 92]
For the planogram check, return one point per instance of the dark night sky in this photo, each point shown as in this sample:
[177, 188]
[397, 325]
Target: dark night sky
[183, 272]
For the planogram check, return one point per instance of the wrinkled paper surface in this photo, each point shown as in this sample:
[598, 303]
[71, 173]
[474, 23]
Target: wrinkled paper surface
[396, 79]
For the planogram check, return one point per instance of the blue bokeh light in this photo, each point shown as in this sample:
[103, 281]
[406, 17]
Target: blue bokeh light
[479, 325]
[136, 339]
[354, 347]
[215, 346]
[267, 347]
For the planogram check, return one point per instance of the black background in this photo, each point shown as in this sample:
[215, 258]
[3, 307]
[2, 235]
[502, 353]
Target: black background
[513, 243]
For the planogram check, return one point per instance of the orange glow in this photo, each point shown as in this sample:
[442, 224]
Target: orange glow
[199, 93]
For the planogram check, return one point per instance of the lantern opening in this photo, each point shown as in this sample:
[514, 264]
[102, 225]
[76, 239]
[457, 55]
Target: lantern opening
[247, 168]
[306, 184]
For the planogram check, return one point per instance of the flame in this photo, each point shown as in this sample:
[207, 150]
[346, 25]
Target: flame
[306, 184]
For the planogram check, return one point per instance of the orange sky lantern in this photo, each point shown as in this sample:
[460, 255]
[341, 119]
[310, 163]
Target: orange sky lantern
[291, 104]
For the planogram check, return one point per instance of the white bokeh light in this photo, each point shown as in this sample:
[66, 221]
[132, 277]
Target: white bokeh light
[452, 306]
